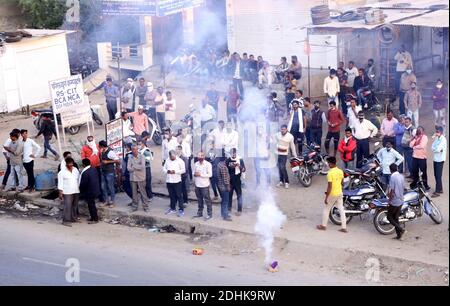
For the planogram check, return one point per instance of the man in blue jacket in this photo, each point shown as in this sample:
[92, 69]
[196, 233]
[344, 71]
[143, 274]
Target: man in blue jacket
[90, 188]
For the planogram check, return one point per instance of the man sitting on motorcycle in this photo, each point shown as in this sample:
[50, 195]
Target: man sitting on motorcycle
[361, 84]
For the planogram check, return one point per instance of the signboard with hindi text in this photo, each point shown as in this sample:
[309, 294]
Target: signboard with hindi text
[158, 8]
[114, 131]
[68, 101]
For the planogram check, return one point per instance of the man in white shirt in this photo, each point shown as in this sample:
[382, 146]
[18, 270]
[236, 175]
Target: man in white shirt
[352, 73]
[169, 143]
[331, 87]
[6, 154]
[217, 137]
[127, 128]
[404, 60]
[238, 74]
[231, 138]
[69, 192]
[285, 141]
[363, 131]
[353, 112]
[30, 150]
[202, 176]
[207, 113]
[174, 167]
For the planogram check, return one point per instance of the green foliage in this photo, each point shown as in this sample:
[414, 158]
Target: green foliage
[44, 14]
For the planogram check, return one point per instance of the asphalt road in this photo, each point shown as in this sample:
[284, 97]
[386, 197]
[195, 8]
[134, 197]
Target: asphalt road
[36, 252]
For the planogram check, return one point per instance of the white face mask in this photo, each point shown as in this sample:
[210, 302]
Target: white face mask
[439, 86]
[408, 71]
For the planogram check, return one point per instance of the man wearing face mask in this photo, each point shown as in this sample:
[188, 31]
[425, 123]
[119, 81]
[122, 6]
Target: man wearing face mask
[408, 134]
[388, 156]
[419, 162]
[439, 149]
[439, 98]
[406, 79]
[169, 143]
[404, 61]
[91, 151]
[128, 96]
[297, 125]
[413, 103]
[363, 131]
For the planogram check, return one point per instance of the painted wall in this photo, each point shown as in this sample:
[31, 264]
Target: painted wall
[28, 66]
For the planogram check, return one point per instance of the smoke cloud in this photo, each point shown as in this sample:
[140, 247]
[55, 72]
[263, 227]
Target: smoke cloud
[269, 221]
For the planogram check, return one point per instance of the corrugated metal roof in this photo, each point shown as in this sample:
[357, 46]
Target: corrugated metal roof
[392, 16]
[45, 32]
[436, 19]
[419, 4]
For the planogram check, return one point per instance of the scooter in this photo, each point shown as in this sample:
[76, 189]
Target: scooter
[155, 133]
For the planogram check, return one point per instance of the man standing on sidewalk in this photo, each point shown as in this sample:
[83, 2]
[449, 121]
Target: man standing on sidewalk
[202, 175]
[136, 168]
[439, 149]
[224, 186]
[15, 150]
[148, 155]
[90, 188]
[112, 93]
[109, 160]
[363, 131]
[140, 122]
[236, 167]
[317, 119]
[395, 195]
[30, 150]
[297, 125]
[413, 103]
[408, 134]
[388, 128]
[69, 191]
[388, 156]
[335, 119]
[7, 157]
[285, 141]
[174, 167]
[334, 195]
[419, 162]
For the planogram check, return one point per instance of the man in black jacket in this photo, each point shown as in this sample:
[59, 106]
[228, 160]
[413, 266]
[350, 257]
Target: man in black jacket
[90, 188]
[361, 82]
[236, 167]
[48, 129]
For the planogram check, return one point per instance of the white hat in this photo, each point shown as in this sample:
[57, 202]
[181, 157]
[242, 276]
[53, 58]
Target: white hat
[129, 80]
[140, 107]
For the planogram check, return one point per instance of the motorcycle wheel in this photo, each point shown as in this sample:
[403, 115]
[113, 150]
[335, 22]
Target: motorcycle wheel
[304, 178]
[436, 214]
[97, 118]
[335, 217]
[73, 130]
[157, 139]
[381, 223]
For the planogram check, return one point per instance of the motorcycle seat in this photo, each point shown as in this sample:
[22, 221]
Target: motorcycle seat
[352, 172]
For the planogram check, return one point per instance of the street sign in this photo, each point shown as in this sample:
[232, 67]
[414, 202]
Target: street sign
[114, 131]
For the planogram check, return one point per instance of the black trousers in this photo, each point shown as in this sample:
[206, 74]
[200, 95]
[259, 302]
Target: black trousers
[202, 197]
[148, 182]
[282, 159]
[299, 138]
[90, 200]
[238, 85]
[335, 136]
[29, 167]
[175, 195]
[316, 135]
[393, 214]
[7, 173]
[362, 151]
[419, 165]
[112, 109]
[236, 186]
[438, 169]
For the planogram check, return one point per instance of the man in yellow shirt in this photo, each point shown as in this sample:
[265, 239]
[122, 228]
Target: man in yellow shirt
[334, 196]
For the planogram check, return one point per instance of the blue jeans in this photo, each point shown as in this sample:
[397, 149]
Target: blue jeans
[407, 153]
[48, 147]
[224, 194]
[108, 186]
[385, 178]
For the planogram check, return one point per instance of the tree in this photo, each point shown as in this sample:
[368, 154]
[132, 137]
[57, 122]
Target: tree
[42, 14]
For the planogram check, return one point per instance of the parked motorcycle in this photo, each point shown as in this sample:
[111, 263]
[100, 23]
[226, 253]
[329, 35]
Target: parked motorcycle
[370, 99]
[155, 133]
[416, 203]
[357, 201]
[72, 130]
[310, 164]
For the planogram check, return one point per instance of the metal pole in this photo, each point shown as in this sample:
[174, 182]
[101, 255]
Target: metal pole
[309, 63]
[120, 78]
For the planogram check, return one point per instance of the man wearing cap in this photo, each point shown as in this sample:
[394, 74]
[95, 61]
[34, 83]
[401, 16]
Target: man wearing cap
[363, 131]
[140, 122]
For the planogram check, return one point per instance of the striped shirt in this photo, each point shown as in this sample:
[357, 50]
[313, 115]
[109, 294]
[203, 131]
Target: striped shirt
[223, 179]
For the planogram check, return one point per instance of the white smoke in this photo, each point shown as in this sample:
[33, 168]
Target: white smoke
[269, 221]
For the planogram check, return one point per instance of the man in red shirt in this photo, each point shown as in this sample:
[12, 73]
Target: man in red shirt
[232, 98]
[335, 118]
[347, 148]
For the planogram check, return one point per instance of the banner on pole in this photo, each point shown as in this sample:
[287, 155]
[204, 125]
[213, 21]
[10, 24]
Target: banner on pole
[68, 101]
[114, 131]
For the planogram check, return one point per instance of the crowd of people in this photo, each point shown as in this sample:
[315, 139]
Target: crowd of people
[218, 164]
